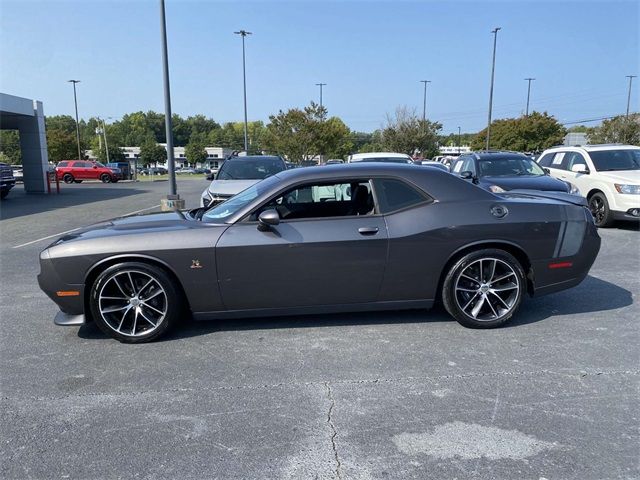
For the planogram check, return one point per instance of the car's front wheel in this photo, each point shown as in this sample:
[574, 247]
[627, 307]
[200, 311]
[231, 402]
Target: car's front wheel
[484, 288]
[67, 178]
[135, 302]
[599, 207]
[106, 178]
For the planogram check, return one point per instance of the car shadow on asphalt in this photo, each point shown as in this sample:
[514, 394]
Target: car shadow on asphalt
[20, 204]
[591, 296]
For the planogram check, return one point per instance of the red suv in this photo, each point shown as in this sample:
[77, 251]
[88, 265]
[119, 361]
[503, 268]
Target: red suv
[70, 171]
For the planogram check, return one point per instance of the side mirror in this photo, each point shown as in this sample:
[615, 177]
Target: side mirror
[267, 219]
[467, 175]
[546, 171]
[210, 176]
[580, 168]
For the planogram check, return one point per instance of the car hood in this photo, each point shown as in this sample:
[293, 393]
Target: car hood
[230, 187]
[622, 176]
[528, 182]
[135, 224]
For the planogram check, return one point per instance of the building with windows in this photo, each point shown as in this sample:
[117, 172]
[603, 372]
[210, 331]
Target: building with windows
[215, 156]
[454, 150]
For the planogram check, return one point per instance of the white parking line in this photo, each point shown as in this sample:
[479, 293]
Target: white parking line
[74, 229]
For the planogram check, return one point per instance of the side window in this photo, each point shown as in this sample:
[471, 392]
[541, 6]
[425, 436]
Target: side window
[574, 158]
[546, 160]
[394, 195]
[63, 164]
[557, 160]
[322, 200]
[457, 167]
[469, 166]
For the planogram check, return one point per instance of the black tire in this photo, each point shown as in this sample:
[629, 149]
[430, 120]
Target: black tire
[130, 330]
[460, 295]
[105, 177]
[599, 207]
[77, 181]
[67, 178]
[3, 194]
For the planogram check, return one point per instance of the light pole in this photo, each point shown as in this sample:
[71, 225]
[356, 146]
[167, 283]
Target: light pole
[458, 140]
[243, 34]
[75, 101]
[528, 94]
[630, 77]
[424, 100]
[493, 69]
[167, 110]
[106, 144]
[321, 85]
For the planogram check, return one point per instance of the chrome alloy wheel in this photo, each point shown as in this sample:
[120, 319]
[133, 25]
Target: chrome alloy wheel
[487, 289]
[132, 303]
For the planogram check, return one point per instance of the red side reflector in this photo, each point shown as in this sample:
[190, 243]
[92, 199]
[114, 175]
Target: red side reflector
[561, 265]
[68, 293]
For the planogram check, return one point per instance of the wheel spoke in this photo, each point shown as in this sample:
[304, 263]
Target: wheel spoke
[481, 277]
[145, 286]
[491, 306]
[133, 285]
[469, 278]
[471, 300]
[478, 306]
[114, 298]
[115, 309]
[460, 289]
[115, 279]
[122, 320]
[493, 271]
[503, 277]
[155, 294]
[501, 300]
[505, 288]
[146, 318]
[144, 304]
[135, 320]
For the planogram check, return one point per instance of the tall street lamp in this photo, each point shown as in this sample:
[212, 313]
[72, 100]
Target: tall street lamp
[173, 199]
[75, 101]
[424, 100]
[321, 85]
[493, 69]
[243, 34]
[458, 140]
[630, 77]
[528, 94]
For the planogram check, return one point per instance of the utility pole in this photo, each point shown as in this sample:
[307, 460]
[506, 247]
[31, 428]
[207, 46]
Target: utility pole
[458, 140]
[493, 70]
[244, 33]
[424, 100]
[106, 144]
[630, 77]
[321, 85]
[528, 94]
[75, 101]
[172, 202]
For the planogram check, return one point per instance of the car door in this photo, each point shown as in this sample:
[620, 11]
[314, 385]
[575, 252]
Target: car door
[580, 180]
[325, 250]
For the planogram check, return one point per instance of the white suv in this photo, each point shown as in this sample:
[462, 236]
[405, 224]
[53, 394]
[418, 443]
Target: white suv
[607, 175]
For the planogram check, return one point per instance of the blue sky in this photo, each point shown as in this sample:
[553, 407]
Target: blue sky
[371, 54]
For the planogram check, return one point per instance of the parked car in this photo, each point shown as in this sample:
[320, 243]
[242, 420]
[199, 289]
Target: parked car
[498, 171]
[7, 182]
[76, 171]
[154, 171]
[134, 275]
[238, 173]
[186, 171]
[334, 161]
[387, 157]
[607, 175]
[18, 173]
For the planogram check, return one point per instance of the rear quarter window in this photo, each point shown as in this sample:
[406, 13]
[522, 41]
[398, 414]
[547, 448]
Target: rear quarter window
[546, 160]
[393, 195]
[63, 164]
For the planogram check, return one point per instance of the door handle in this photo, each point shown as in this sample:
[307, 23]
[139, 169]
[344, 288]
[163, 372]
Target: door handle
[368, 230]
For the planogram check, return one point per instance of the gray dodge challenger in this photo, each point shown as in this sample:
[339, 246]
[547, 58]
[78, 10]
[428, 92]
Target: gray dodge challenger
[355, 237]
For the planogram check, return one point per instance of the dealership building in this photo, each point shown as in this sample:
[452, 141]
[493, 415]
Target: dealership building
[215, 156]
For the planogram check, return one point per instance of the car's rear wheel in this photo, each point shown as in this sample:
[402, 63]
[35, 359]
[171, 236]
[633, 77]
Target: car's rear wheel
[67, 178]
[105, 177]
[484, 288]
[135, 302]
[3, 194]
[599, 207]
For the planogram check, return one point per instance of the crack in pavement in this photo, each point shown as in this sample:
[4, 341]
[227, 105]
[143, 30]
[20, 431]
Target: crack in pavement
[334, 432]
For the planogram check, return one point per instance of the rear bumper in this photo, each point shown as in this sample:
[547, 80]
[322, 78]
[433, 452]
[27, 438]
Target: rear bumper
[625, 216]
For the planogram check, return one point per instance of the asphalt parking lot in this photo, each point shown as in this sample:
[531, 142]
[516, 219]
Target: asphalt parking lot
[553, 395]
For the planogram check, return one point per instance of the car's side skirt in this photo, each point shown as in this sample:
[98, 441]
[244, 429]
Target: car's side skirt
[316, 309]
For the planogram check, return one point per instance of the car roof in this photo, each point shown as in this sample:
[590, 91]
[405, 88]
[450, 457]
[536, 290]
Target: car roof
[357, 156]
[596, 147]
[494, 154]
[255, 157]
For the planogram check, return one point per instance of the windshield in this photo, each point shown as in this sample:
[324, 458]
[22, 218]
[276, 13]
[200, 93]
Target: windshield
[224, 210]
[385, 159]
[98, 164]
[613, 160]
[250, 168]
[498, 167]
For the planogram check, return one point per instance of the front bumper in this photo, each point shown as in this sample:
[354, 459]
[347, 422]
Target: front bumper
[50, 283]
[68, 320]
[626, 215]
[6, 185]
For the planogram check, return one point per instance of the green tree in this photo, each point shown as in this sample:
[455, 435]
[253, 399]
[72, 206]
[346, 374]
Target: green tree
[531, 133]
[10, 146]
[620, 129]
[406, 133]
[195, 149]
[151, 153]
[61, 145]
